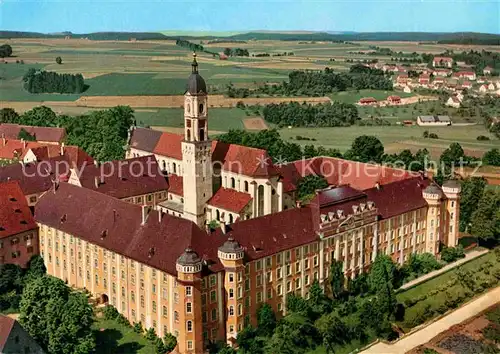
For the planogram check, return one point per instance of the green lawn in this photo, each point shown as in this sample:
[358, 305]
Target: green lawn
[116, 338]
[220, 119]
[436, 297]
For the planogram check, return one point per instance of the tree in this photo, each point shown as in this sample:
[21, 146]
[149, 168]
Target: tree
[57, 318]
[308, 185]
[295, 334]
[382, 278]
[332, 330]
[266, 319]
[24, 135]
[36, 267]
[58, 60]
[8, 115]
[170, 342]
[486, 218]
[472, 190]
[492, 157]
[228, 51]
[5, 50]
[366, 148]
[337, 279]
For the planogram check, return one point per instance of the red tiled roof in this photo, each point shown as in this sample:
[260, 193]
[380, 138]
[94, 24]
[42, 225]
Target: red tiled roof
[6, 324]
[266, 235]
[144, 139]
[169, 145]
[124, 178]
[73, 155]
[175, 185]
[399, 197]
[116, 225]
[394, 98]
[249, 162]
[229, 199]
[48, 134]
[15, 215]
[447, 59]
[367, 100]
[34, 178]
[337, 195]
[10, 149]
[341, 172]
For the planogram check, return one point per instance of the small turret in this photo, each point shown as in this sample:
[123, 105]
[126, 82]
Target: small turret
[189, 262]
[231, 250]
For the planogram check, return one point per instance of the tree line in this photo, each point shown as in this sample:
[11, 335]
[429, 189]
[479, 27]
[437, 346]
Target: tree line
[306, 115]
[52, 82]
[102, 134]
[5, 50]
[320, 83]
[193, 46]
[236, 52]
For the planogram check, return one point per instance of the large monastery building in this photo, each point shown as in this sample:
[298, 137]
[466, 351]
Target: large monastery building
[157, 261]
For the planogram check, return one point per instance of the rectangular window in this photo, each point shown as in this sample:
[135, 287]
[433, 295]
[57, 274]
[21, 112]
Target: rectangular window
[189, 290]
[213, 296]
[213, 280]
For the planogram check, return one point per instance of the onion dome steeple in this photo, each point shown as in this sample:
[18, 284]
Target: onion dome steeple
[196, 84]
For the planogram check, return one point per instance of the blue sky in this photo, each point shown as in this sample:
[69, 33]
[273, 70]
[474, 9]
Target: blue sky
[80, 16]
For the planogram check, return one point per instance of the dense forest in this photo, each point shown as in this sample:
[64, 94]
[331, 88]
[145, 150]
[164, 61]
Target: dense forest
[52, 82]
[307, 115]
[320, 83]
[102, 134]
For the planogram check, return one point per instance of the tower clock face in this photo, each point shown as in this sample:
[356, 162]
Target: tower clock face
[200, 109]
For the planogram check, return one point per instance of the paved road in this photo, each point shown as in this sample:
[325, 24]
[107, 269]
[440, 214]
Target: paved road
[468, 257]
[427, 333]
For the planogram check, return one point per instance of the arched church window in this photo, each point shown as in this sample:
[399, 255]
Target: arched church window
[188, 107]
[246, 186]
[164, 165]
[233, 185]
[230, 218]
[201, 108]
[217, 214]
[188, 134]
[175, 167]
[202, 134]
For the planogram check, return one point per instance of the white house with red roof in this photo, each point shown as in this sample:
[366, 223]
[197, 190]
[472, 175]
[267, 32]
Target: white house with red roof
[442, 72]
[469, 75]
[442, 62]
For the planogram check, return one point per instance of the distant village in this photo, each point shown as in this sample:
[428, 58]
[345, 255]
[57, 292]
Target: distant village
[440, 77]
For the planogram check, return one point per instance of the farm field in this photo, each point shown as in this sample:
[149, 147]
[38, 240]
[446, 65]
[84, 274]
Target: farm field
[150, 76]
[221, 119]
[396, 138]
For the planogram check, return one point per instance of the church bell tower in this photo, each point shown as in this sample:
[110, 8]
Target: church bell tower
[196, 149]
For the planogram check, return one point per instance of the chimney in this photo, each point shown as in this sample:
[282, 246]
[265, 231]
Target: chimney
[145, 214]
[24, 143]
[62, 149]
[96, 182]
[4, 142]
[298, 204]
[377, 185]
[160, 215]
[208, 229]
[96, 163]
[223, 227]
